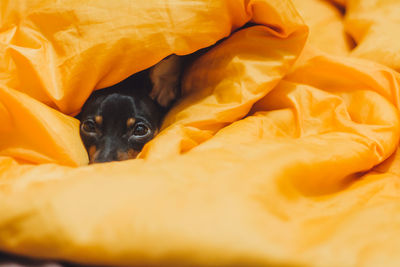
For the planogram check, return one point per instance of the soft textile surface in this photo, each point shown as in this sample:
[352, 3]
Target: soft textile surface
[275, 155]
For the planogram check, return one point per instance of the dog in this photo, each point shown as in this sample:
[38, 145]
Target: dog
[116, 122]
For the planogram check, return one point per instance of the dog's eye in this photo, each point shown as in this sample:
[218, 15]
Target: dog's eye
[89, 126]
[140, 129]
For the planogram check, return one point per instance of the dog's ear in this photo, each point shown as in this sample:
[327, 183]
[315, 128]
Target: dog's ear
[165, 77]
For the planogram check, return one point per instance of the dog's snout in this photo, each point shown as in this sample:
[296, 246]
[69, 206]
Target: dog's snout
[116, 155]
[110, 151]
[105, 157]
[105, 152]
[130, 154]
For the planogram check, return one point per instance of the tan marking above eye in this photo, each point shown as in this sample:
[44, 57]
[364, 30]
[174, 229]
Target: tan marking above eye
[98, 119]
[130, 122]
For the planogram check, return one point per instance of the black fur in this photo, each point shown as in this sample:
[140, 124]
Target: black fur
[116, 104]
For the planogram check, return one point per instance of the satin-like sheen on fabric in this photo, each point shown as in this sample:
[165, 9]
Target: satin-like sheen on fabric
[281, 152]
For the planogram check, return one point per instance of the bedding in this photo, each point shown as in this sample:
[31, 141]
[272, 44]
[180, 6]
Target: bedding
[282, 150]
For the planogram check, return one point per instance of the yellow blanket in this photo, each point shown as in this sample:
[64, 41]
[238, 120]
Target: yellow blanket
[275, 155]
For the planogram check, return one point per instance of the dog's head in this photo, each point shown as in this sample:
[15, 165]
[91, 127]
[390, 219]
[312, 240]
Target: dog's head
[118, 121]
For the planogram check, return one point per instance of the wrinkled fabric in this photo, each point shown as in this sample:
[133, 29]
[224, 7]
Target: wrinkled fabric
[374, 25]
[282, 150]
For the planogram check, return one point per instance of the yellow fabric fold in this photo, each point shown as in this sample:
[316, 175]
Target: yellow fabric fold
[374, 26]
[281, 151]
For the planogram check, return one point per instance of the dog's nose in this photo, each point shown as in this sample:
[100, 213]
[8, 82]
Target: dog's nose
[105, 153]
[106, 158]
